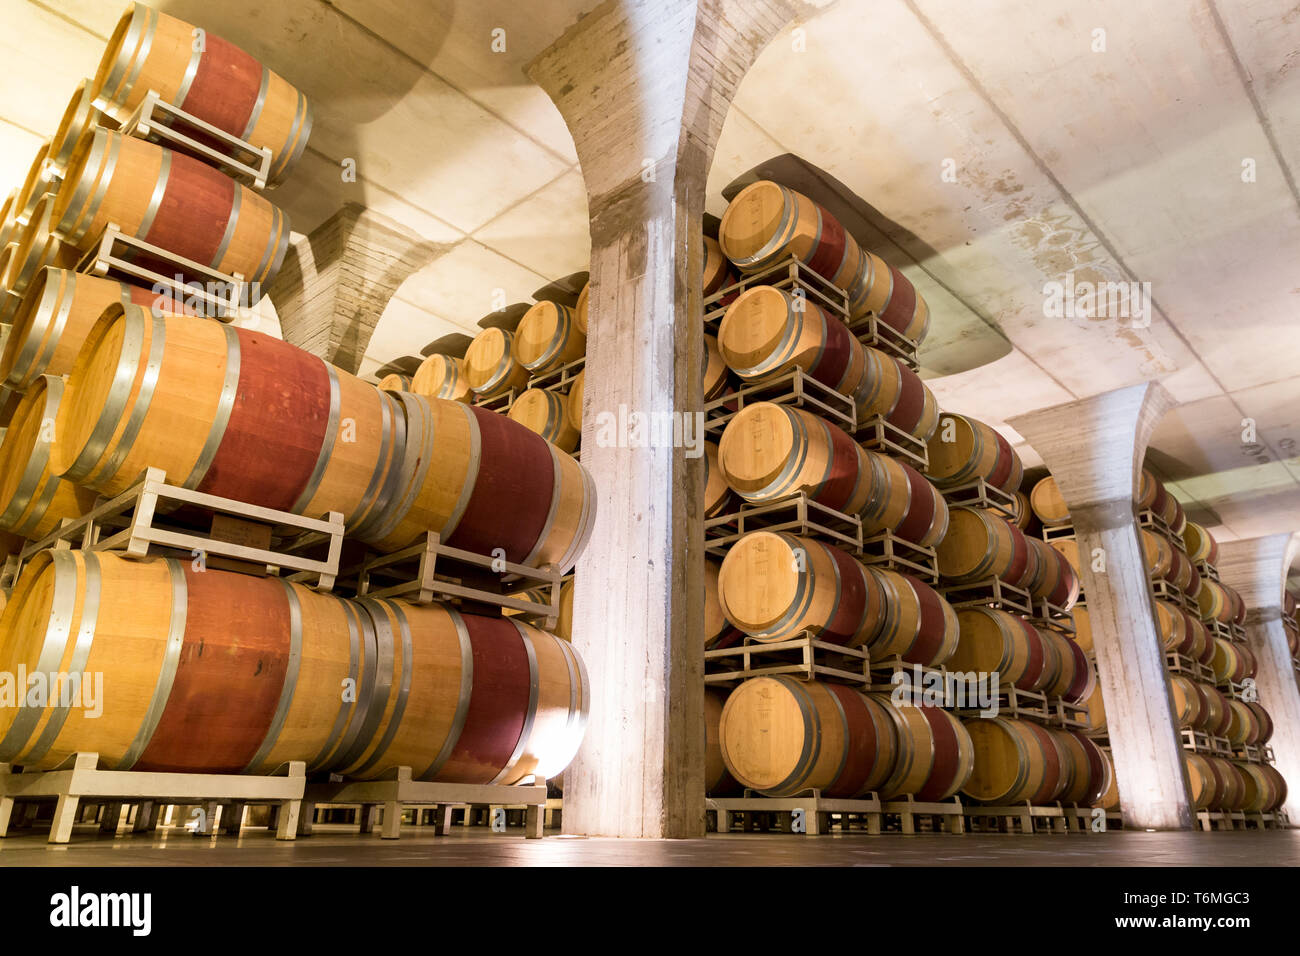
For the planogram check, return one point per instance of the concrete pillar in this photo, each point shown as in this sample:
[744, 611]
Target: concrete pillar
[644, 86]
[336, 282]
[1257, 568]
[1094, 448]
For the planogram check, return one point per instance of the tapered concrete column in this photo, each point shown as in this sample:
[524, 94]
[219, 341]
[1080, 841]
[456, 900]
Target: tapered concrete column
[1257, 568]
[1094, 449]
[336, 282]
[644, 86]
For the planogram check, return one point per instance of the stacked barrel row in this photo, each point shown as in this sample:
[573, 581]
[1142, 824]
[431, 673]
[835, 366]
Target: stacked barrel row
[207, 671]
[1198, 620]
[113, 386]
[1033, 758]
[779, 735]
[1044, 514]
[88, 175]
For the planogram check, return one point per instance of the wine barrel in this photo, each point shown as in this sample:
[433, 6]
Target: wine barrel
[36, 248]
[1216, 715]
[580, 308]
[1265, 721]
[981, 544]
[1158, 554]
[1171, 625]
[1238, 604]
[716, 378]
[1232, 662]
[935, 758]
[772, 586]
[1074, 677]
[718, 631]
[9, 223]
[993, 641]
[963, 450]
[1215, 602]
[1182, 574]
[1232, 794]
[203, 671]
[226, 411]
[1048, 503]
[1202, 783]
[1089, 771]
[766, 223]
[548, 337]
[1096, 706]
[57, 312]
[442, 376]
[766, 332]
[543, 412]
[1200, 544]
[564, 623]
[173, 201]
[1024, 512]
[1198, 646]
[897, 394]
[220, 84]
[482, 482]
[1265, 788]
[717, 781]
[718, 497]
[33, 502]
[41, 180]
[916, 623]
[1083, 629]
[395, 382]
[573, 402]
[780, 736]
[1015, 761]
[1187, 701]
[79, 115]
[491, 367]
[1151, 492]
[1052, 577]
[465, 698]
[1244, 728]
[770, 451]
[717, 269]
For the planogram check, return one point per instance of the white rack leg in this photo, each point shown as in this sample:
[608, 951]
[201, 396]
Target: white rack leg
[288, 817]
[65, 816]
[392, 828]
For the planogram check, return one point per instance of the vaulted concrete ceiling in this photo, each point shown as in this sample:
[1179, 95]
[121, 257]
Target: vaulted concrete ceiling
[1105, 140]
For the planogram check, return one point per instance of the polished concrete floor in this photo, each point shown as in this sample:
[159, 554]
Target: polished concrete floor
[340, 845]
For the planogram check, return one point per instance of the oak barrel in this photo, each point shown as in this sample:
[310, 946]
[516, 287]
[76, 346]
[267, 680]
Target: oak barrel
[718, 496]
[36, 247]
[483, 482]
[1200, 544]
[981, 544]
[79, 115]
[916, 624]
[465, 698]
[58, 310]
[717, 269]
[491, 366]
[994, 641]
[173, 201]
[33, 502]
[220, 84]
[573, 402]
[963, 450]
[766, 223]
[717, 780]
[543, 411]
[1052, 577]
[780, 736]
[770, 451]
[580, 308]
[935, 756]
[772, 586]
[548, 337]
[442, 376]
[202, 671]
[395, 382]
[1090, 773]
[1048, 504]
[1015, 761]
[224, 410]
